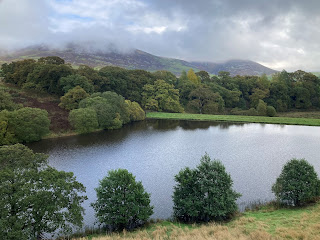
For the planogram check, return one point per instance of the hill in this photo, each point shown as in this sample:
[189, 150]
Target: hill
[135, 59]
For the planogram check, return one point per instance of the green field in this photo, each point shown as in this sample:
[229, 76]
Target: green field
[235, 118]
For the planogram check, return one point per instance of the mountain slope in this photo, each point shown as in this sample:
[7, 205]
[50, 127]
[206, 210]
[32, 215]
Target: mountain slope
[135, 59]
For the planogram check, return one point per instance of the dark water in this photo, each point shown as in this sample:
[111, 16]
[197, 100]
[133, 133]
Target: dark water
[155, 150]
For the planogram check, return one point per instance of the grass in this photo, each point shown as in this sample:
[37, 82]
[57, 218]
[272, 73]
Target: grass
[235, 118]
[267, 222]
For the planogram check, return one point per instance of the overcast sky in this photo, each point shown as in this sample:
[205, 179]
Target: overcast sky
[281, 34]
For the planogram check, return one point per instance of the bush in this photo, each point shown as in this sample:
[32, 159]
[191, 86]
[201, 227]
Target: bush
[271, 111]
[262, 108]
[83, 120]
[204, 193]
[73, 97]
[122, 203]
[297, 184]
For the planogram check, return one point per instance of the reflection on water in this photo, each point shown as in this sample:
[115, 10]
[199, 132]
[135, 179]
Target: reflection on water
[155, 150]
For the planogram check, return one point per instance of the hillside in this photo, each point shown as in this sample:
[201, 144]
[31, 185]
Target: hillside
[135, 59]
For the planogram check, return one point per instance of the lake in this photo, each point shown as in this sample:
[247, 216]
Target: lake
[156, 150]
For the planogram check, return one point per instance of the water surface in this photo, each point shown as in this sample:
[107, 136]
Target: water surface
[156, 150]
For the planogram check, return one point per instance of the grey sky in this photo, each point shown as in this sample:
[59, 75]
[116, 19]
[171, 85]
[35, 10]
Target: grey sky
[282, 34]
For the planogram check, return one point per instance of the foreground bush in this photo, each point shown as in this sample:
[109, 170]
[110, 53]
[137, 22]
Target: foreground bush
[204, 193]
[297, 184]
[122, 203]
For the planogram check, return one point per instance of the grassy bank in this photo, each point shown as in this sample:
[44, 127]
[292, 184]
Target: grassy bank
[266, 223]
[235, 118]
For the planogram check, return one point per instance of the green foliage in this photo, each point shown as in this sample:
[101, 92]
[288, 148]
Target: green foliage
[135, 111]
[204, 193]
[36, 198]
[167, 76]
[122, 202]
[72, 98]
[193, 77]
[271, 111]
[161, 96]
[51, 60]
[6, 102]
[71, 81]
[262, 108]
[111, 109]
[203, 100]
[83, 120]
[297, 184]
[23, 125]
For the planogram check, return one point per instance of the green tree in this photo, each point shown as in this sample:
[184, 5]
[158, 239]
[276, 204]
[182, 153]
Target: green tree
[72, 98]
[51, 60]
[262, 108]
[193, 77]
[36, 198]
[122, 202]
[29, 124]
[135, 111]
[161, 96]
[204, 193]
[203, 100]
[297, 184]
[6, 102]
[69, 82]
[83, 120]
[271, 111]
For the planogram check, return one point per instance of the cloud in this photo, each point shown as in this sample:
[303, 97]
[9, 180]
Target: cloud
[278, 33]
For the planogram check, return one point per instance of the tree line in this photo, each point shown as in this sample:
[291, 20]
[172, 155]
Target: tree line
[37, 199]
[112, 96]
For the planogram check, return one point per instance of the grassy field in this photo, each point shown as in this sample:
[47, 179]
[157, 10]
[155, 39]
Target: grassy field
[236, 118]
[263, 224]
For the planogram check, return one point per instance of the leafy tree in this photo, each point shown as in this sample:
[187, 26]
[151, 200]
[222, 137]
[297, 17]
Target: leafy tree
[262, 108]
[161, 95]
[6, 133]
[29, 124]
[46, 77]
[297, 184]
[71, 81]
[135, 111]
[73, 97]
[83, 120]
[203, 76]
[6, 102]
[167, 76]
[203, 100]
[271, 111]
[193, 77]
[99, 82]
[122, 202]
[204, 193]
[51, 60]
[36, 198]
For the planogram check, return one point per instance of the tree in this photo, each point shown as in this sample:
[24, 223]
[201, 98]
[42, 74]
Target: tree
[36, 198]
[135, 111]
[271, 111]
[51, 60]
[6, 102]
[262, 108]
[203, 100]
[193, 77]
[297, 184]
[72, 98]
[71, 81]
[122, 202]
[29, 124]
[161, 96]
[83, 120]
[204, 193]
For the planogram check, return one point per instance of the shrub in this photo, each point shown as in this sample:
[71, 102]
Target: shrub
[122, 203]
[204, 193]
[83, 120]
[271, 111]
[72, 98]
[262, 108]
[297, 184]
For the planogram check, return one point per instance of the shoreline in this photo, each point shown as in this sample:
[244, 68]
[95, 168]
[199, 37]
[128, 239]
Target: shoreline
[234, 118]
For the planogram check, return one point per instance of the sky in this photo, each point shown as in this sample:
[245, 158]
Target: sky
[281, 34]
